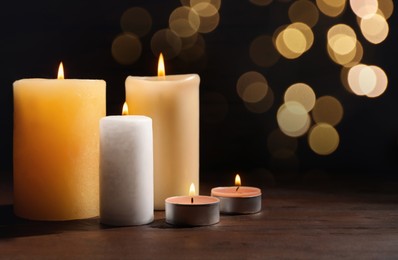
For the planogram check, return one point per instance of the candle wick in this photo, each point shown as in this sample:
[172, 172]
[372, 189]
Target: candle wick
[192, 200]
[237, 188]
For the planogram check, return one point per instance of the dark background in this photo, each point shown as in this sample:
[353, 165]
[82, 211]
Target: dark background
[37, 35]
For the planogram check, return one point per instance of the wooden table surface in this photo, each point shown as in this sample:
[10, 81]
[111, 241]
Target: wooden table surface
[296, 222]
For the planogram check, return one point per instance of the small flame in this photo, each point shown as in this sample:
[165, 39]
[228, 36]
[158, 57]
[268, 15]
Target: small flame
[237, 180]
[61, 71]
[125, 110]
[192, 190]
[161, 69]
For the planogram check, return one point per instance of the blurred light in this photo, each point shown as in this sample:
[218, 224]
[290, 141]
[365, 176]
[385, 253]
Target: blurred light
[136, 20]
[331, 8]
[248, 79]
[386, 7]
[304, 11]
[381, 82]
[209, 23]
[167, 42]
[263, 105]
[261, 2]
[367, 80]
[374, 28]
[293, 119]
[294, 40]
[184, 21]
[255, 92]
[126, 48]
[342, 39]
[363, 8]
[323, 139]
[302, 93]
[193, 48]
[347, 60]
[215, 109]
[215, 3]
[204, 8]
[263, 52]
[281, 145]
[328, 110]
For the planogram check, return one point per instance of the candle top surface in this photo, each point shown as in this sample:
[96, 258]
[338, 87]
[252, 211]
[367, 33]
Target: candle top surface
[166, 78]
[135, 118]
[197, 200]
[231, 192]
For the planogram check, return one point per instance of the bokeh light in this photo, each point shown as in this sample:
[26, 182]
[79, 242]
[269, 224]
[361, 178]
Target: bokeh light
[293, 40]
[215, 3]
[328, 110]
[263, 105]
[126, 48]
[364, 8]
[167, 42]
[374, 28]
[386, 7]
[208, 13]
[293, 119]
[332, 8]
[136, 20]
[381, 82]
[323, 139]
[366, 80]
[250, 78]
[263, 52]
[304, 11]
[342, 39]
[302, 93]
[184, 21]
[193, 48]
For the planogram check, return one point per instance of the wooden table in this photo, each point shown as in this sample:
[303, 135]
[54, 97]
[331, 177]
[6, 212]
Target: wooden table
[296, 222]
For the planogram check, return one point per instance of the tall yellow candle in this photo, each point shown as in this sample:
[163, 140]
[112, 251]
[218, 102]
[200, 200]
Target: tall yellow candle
[173, 104]
[56, 147]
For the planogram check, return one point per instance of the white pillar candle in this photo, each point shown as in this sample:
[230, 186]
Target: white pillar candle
[173, 104]
[56, 147]
[126, 170]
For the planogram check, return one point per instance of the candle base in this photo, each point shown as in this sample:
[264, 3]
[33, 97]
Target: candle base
[234, 206]
[192, 214]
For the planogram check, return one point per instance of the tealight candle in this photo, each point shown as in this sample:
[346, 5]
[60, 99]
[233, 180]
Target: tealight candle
[192, 210]
[126, 170]
[238, 199]
[172, 101]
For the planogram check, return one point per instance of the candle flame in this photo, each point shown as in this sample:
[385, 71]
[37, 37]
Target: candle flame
[61, 71]
[161, 68]
[192, 190]
[237, 180]
[125, 110]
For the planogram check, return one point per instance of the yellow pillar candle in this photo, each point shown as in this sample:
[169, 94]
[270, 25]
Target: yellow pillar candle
[56, 147]
[173, 104]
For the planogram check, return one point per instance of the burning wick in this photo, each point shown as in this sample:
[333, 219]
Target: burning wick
[237, 182]
[192, 191]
